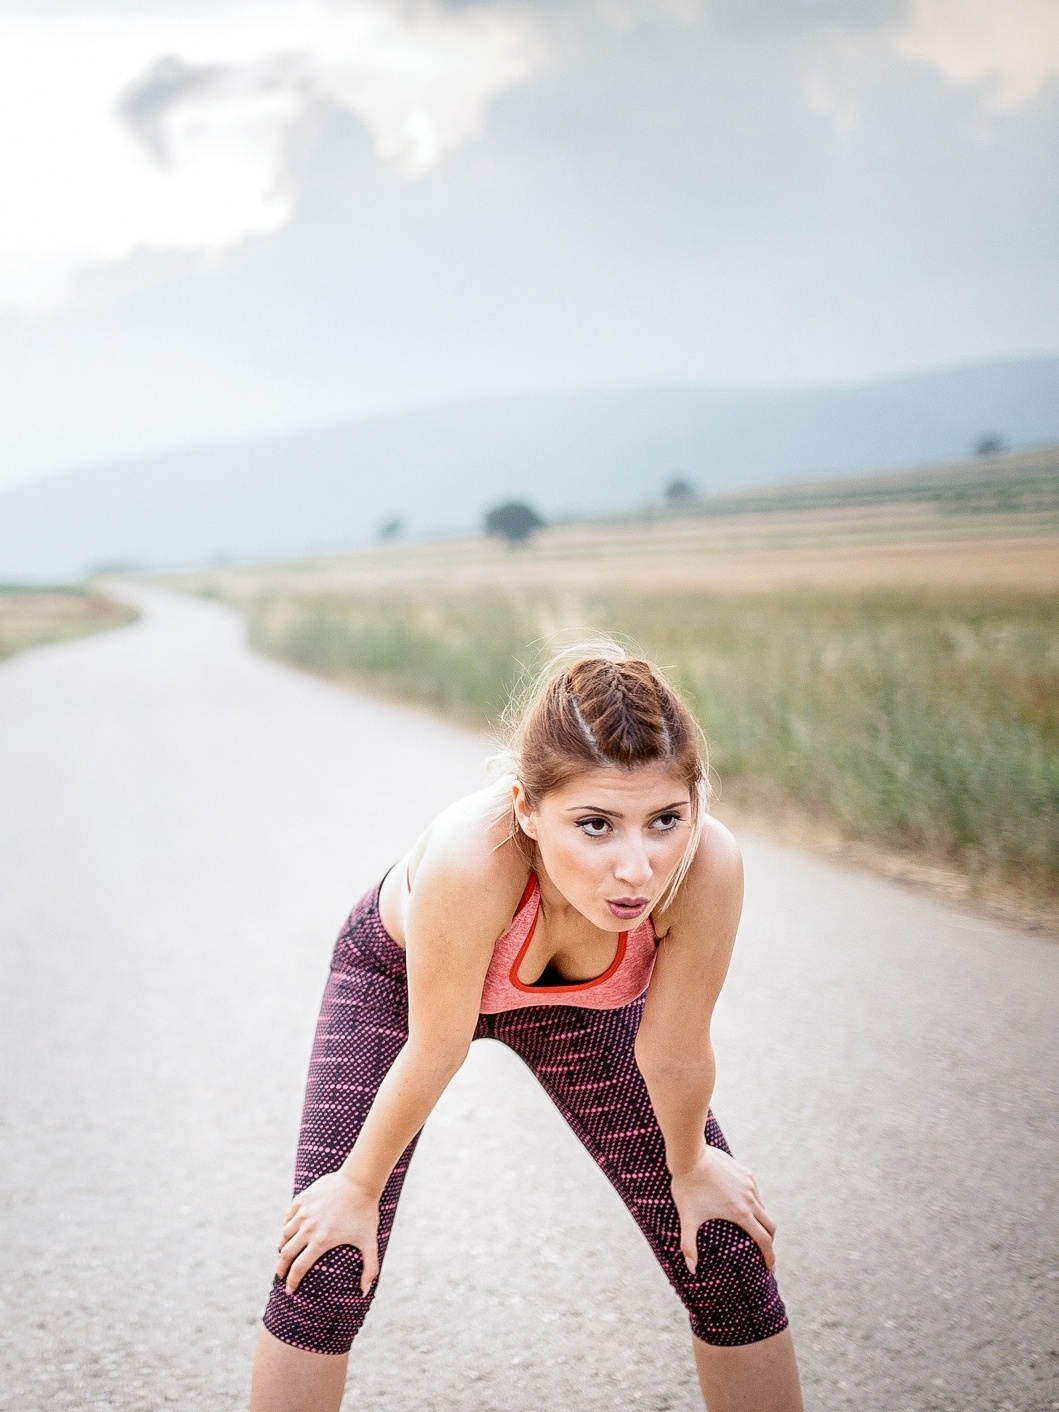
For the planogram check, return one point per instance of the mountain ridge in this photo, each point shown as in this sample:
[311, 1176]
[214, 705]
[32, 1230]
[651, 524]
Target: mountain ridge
[438, 468]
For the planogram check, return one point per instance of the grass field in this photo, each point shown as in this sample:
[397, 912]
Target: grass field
[30, 617]
[881, 662]
[926, 721]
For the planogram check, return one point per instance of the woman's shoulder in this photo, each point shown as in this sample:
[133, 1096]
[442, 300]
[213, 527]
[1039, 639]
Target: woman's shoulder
[470, 849]
[714, 881]
[465, 872]
[717, 858]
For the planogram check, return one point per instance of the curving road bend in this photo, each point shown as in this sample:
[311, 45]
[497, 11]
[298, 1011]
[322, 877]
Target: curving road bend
[183, 826]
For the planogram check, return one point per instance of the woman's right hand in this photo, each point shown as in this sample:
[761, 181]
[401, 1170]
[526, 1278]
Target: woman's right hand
[331, 1211]
[717, 1187]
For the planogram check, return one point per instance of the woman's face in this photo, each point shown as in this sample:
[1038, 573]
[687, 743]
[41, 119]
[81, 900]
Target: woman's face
[610, 839]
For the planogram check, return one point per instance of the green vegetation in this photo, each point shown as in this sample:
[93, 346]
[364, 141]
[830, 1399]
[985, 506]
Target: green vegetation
[925, 720]
[1020, 485]
[30, 617]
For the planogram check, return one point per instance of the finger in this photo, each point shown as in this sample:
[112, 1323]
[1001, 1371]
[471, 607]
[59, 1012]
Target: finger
[757, 1232]
[301, 1267]
[289, 1229]
[689, 1246]
[289, 1252]
[370, 1272]
[765, 1219]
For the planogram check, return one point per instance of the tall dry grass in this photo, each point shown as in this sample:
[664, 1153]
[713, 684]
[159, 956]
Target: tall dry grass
[32, 617]
[926, 721]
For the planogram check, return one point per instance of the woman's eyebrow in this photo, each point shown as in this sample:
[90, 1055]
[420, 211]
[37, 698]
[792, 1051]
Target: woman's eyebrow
[594, 809]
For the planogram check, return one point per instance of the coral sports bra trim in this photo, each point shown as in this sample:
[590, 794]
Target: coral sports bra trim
[536, 988]
[624, 980]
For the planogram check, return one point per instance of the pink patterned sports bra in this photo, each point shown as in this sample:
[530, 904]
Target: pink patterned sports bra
[624, 980]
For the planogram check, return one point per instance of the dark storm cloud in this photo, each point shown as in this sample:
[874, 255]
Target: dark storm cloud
[147, 102]
[676, 199]
[733, 15]
[735, 195]
[798, 15]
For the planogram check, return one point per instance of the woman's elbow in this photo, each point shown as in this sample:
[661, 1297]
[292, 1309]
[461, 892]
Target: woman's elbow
[436, 1062]
[684, 1068]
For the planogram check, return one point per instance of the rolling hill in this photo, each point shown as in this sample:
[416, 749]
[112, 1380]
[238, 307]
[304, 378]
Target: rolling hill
[437, 469]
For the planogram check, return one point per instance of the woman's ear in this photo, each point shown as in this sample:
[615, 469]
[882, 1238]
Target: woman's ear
[523, 813]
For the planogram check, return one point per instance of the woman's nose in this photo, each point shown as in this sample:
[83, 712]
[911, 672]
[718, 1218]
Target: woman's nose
[634, 867]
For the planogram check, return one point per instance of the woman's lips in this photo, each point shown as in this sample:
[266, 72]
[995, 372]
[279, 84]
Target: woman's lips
[625, 908]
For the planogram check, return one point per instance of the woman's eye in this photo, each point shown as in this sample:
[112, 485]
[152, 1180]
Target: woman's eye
[665, 822]
[595, 828]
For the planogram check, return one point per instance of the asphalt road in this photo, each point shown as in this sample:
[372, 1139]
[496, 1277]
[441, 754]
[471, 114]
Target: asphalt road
[183, 827]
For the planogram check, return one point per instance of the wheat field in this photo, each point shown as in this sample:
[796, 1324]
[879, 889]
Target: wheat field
[926, 721]
[876, 661]
[31, 617]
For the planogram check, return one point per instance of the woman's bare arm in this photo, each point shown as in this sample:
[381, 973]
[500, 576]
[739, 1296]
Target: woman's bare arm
[673, 1047]
[457, 910]
[674, 1050]
[453, 921]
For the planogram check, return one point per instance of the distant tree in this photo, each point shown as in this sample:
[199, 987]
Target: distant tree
[679, 490]
[989, 445]
[514, 521]
[392, 528]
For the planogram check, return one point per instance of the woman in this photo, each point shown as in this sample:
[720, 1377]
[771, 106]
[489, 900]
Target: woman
[583, 911]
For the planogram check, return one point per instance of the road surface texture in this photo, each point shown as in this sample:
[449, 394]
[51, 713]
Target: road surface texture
[183, 827]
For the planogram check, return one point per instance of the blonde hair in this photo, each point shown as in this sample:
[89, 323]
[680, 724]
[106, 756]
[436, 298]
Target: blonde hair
[594, 706]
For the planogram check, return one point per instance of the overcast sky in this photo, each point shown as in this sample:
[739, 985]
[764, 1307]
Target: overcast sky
[228, 218]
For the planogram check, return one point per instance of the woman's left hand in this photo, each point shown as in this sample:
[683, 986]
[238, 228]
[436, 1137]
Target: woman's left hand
[720, 1188]
[333, 1210]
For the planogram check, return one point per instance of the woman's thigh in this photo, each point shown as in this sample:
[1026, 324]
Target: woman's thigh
[585, 1060]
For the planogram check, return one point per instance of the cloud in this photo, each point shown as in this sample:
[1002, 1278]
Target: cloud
[1014, 45]
[676, 199]
[125, 126]
[794, 16]
[149, 101]
[124, 129]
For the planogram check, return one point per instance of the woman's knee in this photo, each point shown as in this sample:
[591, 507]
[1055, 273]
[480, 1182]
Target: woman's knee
[732, 1298]
[327, 1310]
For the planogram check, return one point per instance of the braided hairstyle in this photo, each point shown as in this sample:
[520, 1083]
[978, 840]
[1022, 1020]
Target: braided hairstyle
[593, 707]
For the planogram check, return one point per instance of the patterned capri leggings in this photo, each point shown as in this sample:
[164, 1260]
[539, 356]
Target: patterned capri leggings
[731, 1299]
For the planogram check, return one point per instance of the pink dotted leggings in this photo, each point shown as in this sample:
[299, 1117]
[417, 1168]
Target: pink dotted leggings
[584, 1060]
